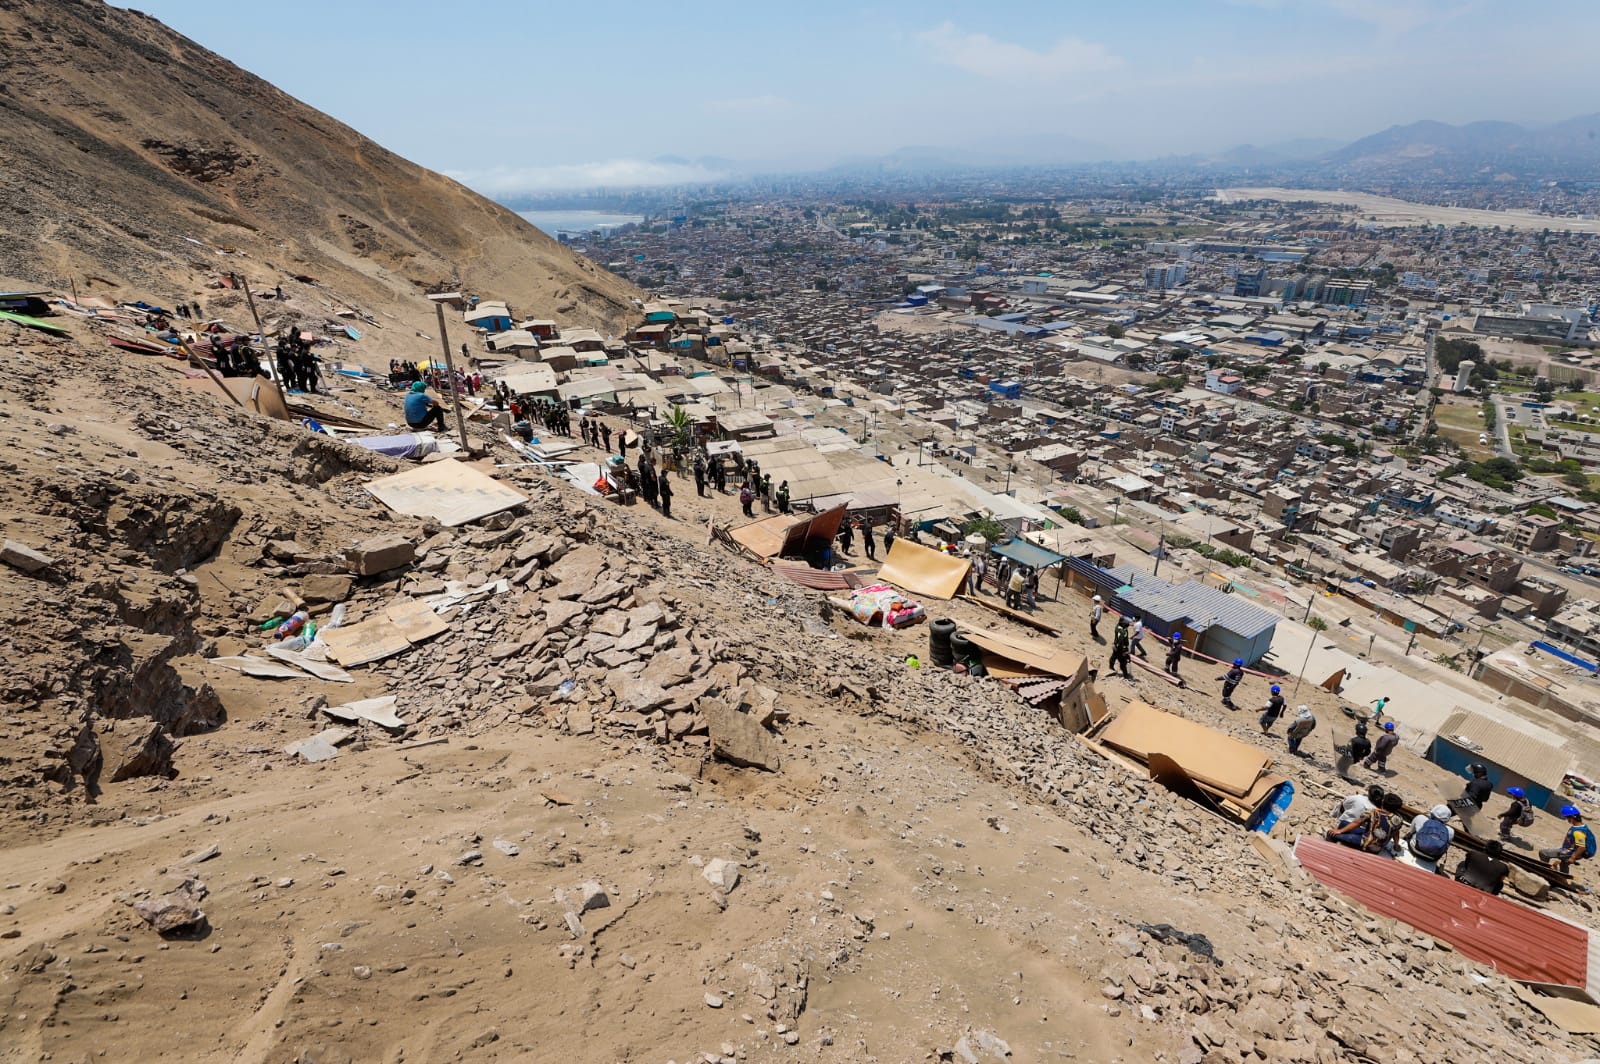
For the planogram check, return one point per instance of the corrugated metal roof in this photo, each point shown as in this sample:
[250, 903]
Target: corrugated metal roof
[1204, 607]
[1517, 942]
[1526, 755]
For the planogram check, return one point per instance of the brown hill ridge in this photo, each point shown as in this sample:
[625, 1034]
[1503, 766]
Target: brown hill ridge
[139, 164]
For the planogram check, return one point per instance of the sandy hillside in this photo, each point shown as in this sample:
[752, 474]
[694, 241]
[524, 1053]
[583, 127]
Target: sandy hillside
[140, 165]
[930, 869]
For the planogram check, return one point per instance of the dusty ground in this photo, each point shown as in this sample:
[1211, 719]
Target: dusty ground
[933, 861]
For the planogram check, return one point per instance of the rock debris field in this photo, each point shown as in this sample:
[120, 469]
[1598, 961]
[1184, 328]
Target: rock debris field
[638, 800]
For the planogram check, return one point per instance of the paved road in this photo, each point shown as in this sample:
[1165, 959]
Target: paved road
[1502, 428]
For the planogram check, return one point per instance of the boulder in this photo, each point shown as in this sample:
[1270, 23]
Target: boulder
[1528, 885]
[178, 910]
[27, 559]
[326, 587]
[138, 749]
[721, 873]
[379, 554]
[736, 738]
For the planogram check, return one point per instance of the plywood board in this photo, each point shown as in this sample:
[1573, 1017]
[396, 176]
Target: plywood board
[923, 570]
[1208, 757]
[451, 492]
[371, 640]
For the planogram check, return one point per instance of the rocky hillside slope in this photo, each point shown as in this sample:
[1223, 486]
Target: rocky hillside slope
[925, 867]
[140, 165]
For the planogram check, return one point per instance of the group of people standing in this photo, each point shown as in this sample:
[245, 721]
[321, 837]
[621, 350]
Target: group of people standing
[298, 368]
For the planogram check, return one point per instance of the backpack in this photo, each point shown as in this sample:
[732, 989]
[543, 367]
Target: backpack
[1525, 818]
[1378, 833]
[1583, 835]
[1432, 839]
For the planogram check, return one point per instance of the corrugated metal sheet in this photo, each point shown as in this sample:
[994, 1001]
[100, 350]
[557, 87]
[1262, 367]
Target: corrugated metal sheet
[1517, 942]
[820, 579]
[1524, 754]
[1204, 607]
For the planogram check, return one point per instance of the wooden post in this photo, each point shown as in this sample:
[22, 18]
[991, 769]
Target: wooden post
[73, 282]
[252, 301]
[455, 387]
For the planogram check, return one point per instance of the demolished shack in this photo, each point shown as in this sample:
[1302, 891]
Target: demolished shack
[1230, 777]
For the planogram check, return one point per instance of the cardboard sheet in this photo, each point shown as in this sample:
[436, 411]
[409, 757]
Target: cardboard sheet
[415, 620]
[453, 493]
[1209, 758]
[371, 640]
[1027, 656]
[923, 570]
[1574, 1017]
[765, 537]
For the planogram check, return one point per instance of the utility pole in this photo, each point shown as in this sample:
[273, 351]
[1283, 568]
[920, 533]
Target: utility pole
[1161, 549]
[1310, 646]
[450, 364]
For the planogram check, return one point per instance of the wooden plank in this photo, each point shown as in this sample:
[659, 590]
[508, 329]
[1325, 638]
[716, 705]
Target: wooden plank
[1020, 618]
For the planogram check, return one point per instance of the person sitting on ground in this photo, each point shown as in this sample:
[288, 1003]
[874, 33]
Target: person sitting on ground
[1357, 806]
[1518, 815]
[1431, 833]
[1373, 831]
[1578, 845]
[422, 410]
[1485, 870]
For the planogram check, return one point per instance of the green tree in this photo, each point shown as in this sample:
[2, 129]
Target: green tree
[1115, 331]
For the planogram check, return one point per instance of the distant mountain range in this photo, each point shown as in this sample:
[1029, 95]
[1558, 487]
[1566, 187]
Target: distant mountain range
[1477, 146]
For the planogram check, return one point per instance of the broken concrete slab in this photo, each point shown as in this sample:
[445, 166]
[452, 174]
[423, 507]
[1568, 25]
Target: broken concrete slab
[323, 746]
[322, 670]
[380, 711]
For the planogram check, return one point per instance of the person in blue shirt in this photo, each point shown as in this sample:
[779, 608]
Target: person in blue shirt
[1578, 845]
[422, 411]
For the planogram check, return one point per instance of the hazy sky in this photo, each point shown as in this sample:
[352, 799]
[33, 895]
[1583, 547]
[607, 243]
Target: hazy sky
[513, 96]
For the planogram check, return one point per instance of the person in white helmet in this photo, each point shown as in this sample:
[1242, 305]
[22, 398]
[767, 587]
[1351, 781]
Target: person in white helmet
[1097, 612]
[1304, 724]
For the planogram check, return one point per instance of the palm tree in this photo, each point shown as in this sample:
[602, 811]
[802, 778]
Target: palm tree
[682, 424]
